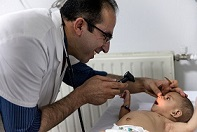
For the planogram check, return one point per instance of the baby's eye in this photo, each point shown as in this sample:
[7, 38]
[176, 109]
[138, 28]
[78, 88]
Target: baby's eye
[168, 98]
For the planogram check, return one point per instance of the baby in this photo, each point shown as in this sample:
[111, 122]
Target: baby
[169, 113]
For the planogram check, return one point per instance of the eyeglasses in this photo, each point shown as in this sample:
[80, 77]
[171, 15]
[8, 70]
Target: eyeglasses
[107, 36]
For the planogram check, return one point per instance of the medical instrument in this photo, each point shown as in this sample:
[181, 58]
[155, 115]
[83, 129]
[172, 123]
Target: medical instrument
[57, 4]
[159, 87]
[127, 77]
[71, 74]
[170, 82]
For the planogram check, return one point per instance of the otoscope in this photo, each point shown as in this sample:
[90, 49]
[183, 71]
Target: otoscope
[127, 77]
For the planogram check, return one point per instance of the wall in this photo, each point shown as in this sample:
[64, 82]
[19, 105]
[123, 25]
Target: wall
[157, 25]
[147, 25]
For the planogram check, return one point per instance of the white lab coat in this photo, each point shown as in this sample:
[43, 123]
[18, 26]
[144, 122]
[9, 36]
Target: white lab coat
[31, 54]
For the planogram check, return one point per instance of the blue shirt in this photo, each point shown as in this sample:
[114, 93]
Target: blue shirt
[81, 73]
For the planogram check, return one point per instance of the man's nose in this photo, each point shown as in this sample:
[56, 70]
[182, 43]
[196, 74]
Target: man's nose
[105, 47]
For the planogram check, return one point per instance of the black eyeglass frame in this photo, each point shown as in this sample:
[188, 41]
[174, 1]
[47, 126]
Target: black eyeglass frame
[107, 36]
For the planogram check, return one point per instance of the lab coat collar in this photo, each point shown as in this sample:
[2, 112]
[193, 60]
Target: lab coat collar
[56, 18]
[60, 46]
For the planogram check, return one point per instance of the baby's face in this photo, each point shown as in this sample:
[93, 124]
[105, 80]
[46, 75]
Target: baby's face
[165, 104]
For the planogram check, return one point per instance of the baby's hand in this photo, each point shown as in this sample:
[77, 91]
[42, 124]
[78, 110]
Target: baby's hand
[126, 96]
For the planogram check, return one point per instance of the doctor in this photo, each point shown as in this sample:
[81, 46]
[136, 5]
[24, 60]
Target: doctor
[34, 49]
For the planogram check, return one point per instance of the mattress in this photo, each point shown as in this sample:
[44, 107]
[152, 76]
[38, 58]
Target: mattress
[139, 101]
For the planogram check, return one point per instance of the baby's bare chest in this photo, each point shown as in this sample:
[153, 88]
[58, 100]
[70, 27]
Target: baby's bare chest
[150, 121]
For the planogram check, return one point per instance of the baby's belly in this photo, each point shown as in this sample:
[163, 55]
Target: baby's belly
[148, 120]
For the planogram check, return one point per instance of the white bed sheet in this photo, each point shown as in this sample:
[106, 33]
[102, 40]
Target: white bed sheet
[140, 101]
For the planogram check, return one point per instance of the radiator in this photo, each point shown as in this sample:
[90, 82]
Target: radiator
[149, 64]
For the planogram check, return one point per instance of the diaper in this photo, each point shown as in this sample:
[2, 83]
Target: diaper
[126, 128]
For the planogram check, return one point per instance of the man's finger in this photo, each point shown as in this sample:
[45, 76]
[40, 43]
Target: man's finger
[150, 93]
[104, 78]
[174, 84]
[156, 90]
[180, 91]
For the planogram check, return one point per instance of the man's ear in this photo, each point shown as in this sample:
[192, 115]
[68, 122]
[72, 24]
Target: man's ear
[176, 113]
[77, 25]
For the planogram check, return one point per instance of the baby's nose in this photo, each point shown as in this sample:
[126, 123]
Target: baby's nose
[160, 97]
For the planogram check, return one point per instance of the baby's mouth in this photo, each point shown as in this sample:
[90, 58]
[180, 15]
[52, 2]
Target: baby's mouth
[156, 102]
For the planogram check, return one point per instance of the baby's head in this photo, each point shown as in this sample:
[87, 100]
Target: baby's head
[174, 107]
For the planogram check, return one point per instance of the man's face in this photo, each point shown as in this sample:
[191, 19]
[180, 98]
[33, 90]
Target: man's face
[165, 104]
[96, 41]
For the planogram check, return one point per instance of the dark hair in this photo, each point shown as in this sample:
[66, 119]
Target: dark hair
[88, 9]
[187, 110]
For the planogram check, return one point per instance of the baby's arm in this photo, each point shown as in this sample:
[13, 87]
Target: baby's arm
[125, 108]
[190, 126]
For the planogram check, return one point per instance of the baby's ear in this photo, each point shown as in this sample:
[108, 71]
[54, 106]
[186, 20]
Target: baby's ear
[176, 113]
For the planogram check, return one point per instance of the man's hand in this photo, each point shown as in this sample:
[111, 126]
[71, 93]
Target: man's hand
[161, 87]
[177, 127]
[98, 89]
